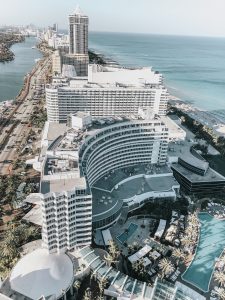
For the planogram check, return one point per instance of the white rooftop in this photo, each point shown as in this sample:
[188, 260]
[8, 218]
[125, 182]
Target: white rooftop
[161, 228]
[78, 11]
[112, 75]
[41, 274]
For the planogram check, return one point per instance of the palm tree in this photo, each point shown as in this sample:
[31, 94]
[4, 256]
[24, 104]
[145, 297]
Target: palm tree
[113, 250]
[166, 267]
[193, 219]
[186, 241]
[138, 266]
[77, 285]
[109, 259]
[102, 284]
[93, 276]
[130, 248]
[178, 255]
[9, 245]
[220, 293]
[220, 278]
[87, 294]
[222, 259]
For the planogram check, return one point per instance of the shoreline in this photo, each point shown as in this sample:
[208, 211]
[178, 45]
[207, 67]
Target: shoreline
[205, 117]
[9, 104]
[8, 101]
[6, 42]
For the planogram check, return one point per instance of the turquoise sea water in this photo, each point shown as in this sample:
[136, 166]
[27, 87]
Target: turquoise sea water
[12, 73]
[210, 247]
[193, 67]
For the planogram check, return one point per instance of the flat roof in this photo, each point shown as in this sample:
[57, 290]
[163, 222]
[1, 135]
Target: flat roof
[161, 228]
[126, 76]
[60, 185]
[210, 175]
[116, 176]
[56, 129]
[108, 200]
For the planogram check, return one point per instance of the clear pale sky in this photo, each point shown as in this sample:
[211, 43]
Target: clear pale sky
[184, 17]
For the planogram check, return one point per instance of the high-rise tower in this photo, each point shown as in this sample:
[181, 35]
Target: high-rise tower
[78, 49]
[78, 32]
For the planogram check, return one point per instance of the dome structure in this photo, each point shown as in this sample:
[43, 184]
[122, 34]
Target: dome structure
[42, 274]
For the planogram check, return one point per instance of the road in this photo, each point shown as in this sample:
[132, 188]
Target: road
[15, 130]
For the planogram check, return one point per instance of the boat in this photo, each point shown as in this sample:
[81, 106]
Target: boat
[33, 47]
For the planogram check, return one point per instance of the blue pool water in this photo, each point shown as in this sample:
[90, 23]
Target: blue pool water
[210, 247]
[126, 235]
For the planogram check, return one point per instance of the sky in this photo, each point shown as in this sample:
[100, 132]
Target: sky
[179, 17]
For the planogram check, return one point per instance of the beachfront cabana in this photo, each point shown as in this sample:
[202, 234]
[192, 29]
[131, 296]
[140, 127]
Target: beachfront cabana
[160, 229]
[139, 254]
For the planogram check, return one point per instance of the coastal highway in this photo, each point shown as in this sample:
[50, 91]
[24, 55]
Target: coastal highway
[15, 131]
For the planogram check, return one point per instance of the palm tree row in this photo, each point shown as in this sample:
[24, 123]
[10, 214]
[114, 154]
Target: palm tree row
[13, 240]
[191, 231]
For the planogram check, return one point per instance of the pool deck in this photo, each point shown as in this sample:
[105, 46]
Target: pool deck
[210, 247]
[123, 237]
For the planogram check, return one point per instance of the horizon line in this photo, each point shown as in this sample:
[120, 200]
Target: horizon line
[151, 33]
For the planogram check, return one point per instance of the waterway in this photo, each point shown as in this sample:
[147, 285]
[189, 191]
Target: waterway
[12, 73]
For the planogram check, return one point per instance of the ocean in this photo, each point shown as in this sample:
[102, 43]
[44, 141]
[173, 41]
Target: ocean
[12, 73]
[193, 67]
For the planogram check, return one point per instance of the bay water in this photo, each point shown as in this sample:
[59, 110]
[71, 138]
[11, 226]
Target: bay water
[12, 73]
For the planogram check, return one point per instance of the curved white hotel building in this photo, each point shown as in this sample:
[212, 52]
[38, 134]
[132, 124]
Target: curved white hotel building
[108, 91]
[85, 182]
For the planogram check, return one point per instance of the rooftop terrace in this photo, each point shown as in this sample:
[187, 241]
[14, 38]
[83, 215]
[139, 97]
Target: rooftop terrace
[110, 191]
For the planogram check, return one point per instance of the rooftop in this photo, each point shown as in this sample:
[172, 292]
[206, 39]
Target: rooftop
[57, 165]
[105, 77]
[107, 196]
[78, 11]
[60, 185]
[123, 76]
[210, 175]
[41, 274]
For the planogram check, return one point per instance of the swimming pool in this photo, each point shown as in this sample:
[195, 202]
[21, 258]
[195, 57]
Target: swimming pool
[123, 237]
[210, 246]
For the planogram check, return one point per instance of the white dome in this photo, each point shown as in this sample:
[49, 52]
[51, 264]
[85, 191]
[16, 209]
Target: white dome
[41, 274]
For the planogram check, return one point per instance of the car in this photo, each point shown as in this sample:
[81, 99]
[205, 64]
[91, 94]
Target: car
[7, 161]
